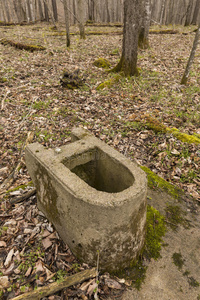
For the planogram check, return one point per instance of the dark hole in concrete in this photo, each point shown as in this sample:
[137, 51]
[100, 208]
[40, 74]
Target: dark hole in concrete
[100, 171]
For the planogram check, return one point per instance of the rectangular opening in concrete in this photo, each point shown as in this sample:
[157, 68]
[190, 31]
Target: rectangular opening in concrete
[100, 171]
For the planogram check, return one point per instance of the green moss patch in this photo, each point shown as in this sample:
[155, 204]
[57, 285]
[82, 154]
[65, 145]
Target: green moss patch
[101, 63]
[155, 125]
[155, 230]
[109, 83]
[156, 182]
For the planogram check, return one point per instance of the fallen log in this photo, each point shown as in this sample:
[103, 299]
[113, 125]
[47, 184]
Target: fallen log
[54, 287]
[22, 46]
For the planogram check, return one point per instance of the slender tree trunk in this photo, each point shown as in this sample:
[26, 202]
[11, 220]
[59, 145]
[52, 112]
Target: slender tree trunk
[191, 58]
[55, 11]
[66, 22]
[162, 12]
[30, 19]
[7, 10]
[128, 61]
[196, 13]
[46, 14]
[81, 17]
[41, 15]
[143, 41]
[3, 10]
[188, 14]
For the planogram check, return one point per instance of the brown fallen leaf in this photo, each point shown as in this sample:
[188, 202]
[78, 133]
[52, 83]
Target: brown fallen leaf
[113, 284]
[46, 243]
[4, 282]
[9, 258]
[2, 244]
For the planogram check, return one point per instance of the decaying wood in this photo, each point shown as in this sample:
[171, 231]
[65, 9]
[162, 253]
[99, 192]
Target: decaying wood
[57, 286]
[165, 31]
[22, 46]
[23, 197]
[103, 24]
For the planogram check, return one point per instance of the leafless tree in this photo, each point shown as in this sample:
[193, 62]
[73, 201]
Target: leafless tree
[128, 61]
[66, 23]
[191, 58]
[145, 24]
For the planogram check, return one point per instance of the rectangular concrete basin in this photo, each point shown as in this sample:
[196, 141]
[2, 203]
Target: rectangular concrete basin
[94, 196]
[96, 167]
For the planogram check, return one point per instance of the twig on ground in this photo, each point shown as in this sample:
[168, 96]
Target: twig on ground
[54, 287]
[23, 197]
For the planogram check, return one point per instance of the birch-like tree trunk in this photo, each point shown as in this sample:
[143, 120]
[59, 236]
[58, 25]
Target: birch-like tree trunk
[143, 41]
[81, 18]
[66, 23]
[191, 58]
[128, 61]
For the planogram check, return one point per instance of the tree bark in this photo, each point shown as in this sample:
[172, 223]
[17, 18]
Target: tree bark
[46, 14]
[55, 11]
[41, 15]
[191, 58]
[81, 17]
[66, 22]
[7, 11]
[143, 42]
[128, 61]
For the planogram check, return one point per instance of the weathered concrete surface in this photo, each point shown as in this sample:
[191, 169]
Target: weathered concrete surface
[94, 196]
[163, 279]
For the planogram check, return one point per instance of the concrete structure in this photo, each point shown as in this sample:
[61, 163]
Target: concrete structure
[94, 196]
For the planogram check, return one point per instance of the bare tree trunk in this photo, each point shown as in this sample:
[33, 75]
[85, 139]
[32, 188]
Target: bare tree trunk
[162, 12]
[30, 18]
[128, 61]
[196, 13]
[46, 15]
[41, 15]
[188, 14]
[7, 11]
[66, 22]
[143, 41]
[3, 10]
[81, 17]
[17, 12]
[55, 11]
[191, 58]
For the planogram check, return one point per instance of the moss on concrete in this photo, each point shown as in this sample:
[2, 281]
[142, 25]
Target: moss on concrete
[178, 260]
[156, 182]
[175, 217]
[155, 230]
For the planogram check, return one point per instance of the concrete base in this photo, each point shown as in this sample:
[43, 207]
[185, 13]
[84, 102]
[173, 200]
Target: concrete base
[94, 196]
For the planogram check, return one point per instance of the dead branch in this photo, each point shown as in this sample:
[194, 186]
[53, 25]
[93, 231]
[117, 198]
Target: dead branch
[57, 286]
[23, 197]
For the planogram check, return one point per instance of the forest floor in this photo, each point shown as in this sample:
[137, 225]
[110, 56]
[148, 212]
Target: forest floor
[134, 115]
